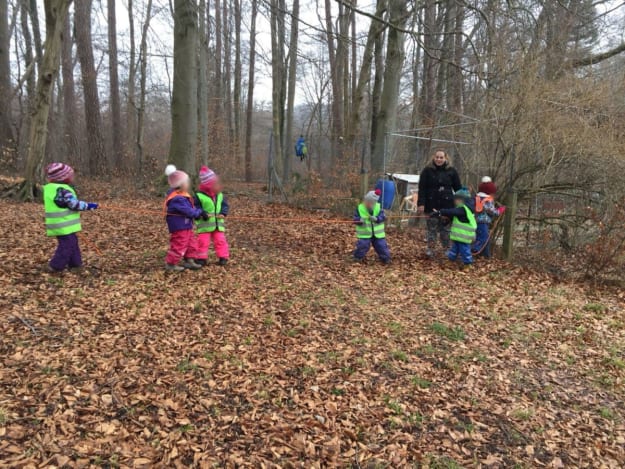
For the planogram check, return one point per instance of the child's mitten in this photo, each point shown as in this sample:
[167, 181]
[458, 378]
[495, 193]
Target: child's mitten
[92, 206]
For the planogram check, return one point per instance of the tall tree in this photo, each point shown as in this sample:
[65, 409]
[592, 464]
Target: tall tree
[250, 95]
[6, 131]
[277, 83]
[203, 83]
[336, 79]
[131, 105]
[69, 96]
[290, 105]
[143, 52]
[392, 74]
[184, 96]
[237, 80]
[93, 119]
[56, 14]
[115, 108]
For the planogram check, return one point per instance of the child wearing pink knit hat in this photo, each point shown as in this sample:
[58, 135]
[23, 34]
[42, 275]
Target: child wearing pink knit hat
[211, 229]
[62, 214]
[180, 213]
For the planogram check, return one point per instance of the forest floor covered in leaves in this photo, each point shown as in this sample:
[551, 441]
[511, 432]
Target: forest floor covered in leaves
[292, 356]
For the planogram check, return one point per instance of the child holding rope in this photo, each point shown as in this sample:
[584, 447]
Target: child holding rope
[485, 213]
[369, 219]
[463, 227]
[180, 212]
[212, 229]
[62, 215]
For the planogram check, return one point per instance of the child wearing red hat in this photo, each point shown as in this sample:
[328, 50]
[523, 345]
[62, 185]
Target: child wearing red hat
[180, 213]
[485, 213]
[62, 216]
[211, 230]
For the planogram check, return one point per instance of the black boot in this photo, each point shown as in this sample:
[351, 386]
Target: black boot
[201, 262]
[222, 261]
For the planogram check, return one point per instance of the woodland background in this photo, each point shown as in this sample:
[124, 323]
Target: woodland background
[531, 92]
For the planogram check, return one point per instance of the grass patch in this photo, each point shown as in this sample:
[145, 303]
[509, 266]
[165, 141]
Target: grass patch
[455, 333]
[395, 327]
[3, 417]
[399, 355]
[442, 462]
[595, 307]
[606, 413]
[185, 365]
[522, 414]
[421, 382]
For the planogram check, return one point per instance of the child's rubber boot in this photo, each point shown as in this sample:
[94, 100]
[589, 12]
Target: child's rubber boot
[200, 262]
[173, 268]
[222, 261]
[386, 261]
[191, 265]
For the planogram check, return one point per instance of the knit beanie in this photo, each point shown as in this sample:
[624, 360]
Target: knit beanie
[207, 176]
[462, 194]
[59, 172]
[175, 178]
[373, 196]
[487, 186]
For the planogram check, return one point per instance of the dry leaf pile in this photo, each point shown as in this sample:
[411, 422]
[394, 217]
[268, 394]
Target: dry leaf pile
[294, 357]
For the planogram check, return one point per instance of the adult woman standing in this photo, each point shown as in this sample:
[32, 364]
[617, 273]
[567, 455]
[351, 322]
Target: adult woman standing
[437, 184]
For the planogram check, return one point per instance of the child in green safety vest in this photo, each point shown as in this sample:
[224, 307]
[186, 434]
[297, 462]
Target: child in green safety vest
[463, 226]
[369, 219]
[62, 216]
[211, 198]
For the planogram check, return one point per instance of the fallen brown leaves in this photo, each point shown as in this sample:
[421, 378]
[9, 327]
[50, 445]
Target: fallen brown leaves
[294, 357]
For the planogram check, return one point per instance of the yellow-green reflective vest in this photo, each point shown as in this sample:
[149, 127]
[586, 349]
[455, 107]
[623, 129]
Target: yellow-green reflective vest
[212, 208]
[368, 229]
[59, 221]
[464, 232]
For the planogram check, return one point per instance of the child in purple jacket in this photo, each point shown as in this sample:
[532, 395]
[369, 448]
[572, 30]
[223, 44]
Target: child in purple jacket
[180, 212]
[62, 216]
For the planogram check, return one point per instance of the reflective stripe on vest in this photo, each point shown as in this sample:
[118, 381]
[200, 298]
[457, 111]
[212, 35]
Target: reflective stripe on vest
[59, 221]
[213, 208]
[368, 229]
[464, 232]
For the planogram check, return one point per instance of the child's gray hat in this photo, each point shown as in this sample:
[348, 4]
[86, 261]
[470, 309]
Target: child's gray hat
[372, 196]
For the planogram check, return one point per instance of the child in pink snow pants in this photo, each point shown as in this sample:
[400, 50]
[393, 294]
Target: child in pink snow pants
[211, 229]
[180, 212]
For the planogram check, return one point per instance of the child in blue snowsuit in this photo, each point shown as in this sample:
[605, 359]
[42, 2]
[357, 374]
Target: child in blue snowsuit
[463, 226]
[369, 219]
[485, 213]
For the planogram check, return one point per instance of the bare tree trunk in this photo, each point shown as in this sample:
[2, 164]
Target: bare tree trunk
[237, 82]
[336, 79]
[31, 81]
[203, 84]
[143, 52]
[34, 19]
[116, 124]
[6, 131]
[131, 105]
[69, 96]
[428, 87]
[93, 119]
[288, 155]
[184, 98]
[376, 92]
[250, 95]
[364, 77]
[227, 85]
[277, 68]
[392, 74]
[56, 14]
[456, 81]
